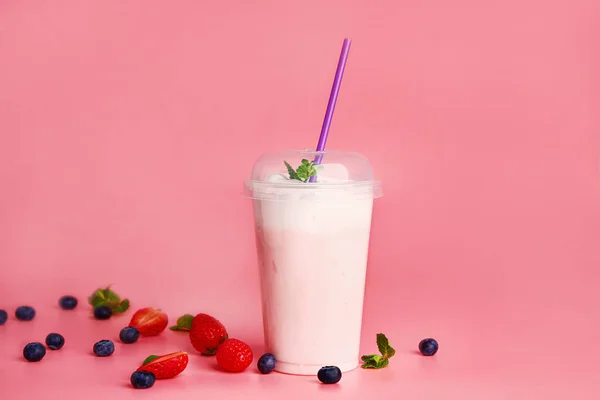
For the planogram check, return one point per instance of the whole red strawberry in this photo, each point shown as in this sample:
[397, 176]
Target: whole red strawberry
[149, 321]
[234, 355]
[206, 334]
[167, 366]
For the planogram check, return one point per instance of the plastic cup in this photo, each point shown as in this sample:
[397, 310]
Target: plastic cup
[312, 241]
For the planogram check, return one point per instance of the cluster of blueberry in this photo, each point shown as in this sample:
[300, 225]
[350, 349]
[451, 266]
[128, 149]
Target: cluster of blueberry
[328, 375]
[35, 351]
[23, 313]
[105, 348]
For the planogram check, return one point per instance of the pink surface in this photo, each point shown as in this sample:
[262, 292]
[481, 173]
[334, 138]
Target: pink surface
[128, 127]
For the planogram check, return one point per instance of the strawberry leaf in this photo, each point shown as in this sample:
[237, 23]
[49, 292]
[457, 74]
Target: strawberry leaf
[111, 296]
[149, 359]
[97, 299]
[108, 298]
[184, 323]
[122, 307]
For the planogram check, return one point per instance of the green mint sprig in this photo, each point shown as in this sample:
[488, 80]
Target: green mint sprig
[304, 171]
[184, 323]
[374, 361]
[106, 297]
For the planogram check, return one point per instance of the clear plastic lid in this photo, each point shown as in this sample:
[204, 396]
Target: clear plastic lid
[279, 175]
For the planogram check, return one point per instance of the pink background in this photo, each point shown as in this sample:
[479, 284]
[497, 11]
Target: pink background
[128, 127]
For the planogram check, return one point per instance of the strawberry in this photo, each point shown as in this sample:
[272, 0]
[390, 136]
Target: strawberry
[206, 334]
[149, 321]
[167, 366]
[234, 355]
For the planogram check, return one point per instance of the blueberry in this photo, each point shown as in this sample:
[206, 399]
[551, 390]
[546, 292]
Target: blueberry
[104, 348]
[67, 302]
[428, 347]
[25, 313]
[142, 379]
[3, 317]
[102, 312]
[266, 363]
[55, 341]
[34, 352]
[329, 375]
[129, 334]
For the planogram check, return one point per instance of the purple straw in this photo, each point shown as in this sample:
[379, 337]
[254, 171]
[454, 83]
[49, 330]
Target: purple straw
[335, 90]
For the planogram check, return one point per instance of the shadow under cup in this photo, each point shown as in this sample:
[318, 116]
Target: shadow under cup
[312, 242]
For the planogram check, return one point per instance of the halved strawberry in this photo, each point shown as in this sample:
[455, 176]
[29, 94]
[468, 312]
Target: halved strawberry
[149, 321]
[167, 366]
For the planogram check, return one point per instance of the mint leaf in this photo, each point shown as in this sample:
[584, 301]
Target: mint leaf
[291, 171]
[377, 362]
[372, 358]
[306, 170]
[382, 363]
[122, 306]
[184, 323]
[391, 352]
[369, 357]
[149, 360]
[383, 344]
[369, 366]
[371, 361]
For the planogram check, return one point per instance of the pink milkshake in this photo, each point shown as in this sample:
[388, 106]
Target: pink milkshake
[312, 240]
